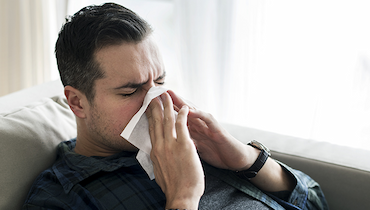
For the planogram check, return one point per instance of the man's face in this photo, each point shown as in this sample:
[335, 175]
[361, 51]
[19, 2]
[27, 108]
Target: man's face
[130, 71]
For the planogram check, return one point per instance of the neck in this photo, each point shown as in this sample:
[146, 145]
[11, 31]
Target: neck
[87, 145]
[91, 143]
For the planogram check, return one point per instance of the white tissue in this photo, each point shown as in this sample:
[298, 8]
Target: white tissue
[137, 132]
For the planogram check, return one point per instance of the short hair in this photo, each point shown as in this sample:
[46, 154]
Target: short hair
[90, 29]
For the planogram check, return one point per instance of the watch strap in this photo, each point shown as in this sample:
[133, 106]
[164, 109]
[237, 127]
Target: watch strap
[256, 167]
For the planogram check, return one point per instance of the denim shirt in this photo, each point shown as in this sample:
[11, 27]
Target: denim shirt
[119, 182]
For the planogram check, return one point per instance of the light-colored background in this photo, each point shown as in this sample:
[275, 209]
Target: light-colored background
[299, 68]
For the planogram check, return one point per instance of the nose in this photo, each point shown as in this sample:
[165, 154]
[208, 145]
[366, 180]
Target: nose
[145, 89]
[149, 85]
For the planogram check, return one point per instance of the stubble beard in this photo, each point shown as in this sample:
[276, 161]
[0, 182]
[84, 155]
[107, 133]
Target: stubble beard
[103, 133]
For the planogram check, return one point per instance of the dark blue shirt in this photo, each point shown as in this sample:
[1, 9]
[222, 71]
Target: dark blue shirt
[119, 182]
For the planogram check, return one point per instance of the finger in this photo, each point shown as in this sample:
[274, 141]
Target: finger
[181, 124]
[149, 115]
[169, 117]
[155, 117]
[178, 101]
[206, 118]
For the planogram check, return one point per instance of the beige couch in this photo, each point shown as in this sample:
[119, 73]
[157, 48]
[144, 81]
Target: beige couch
[35, 120]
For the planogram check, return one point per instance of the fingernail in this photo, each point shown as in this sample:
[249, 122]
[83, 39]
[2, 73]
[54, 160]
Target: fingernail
[163, 96]
[185, 107]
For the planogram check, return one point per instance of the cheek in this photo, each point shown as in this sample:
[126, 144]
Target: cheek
[116, 112]
[126, 112]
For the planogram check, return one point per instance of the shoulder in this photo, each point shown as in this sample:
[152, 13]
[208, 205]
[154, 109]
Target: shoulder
[48, 192]
[45, 186]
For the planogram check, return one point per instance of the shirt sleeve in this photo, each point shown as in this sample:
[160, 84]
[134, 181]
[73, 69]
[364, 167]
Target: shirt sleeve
[307, 194]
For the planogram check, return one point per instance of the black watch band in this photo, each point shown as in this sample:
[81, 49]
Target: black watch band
[257, 165]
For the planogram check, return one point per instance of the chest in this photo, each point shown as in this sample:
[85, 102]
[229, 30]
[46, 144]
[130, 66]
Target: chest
[124, 189]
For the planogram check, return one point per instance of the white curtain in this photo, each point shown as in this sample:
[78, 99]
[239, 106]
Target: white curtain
[300, 68]
[290, 67]
[28, 32]
[203, 29]
[219, 44]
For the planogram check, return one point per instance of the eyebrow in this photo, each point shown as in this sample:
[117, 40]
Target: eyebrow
[137, 85]
[161, 77]
[131, 85]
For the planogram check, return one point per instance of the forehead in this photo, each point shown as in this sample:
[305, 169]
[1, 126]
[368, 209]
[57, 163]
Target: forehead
[129, 62]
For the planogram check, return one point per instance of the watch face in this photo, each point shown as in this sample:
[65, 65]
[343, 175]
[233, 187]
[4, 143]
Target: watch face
[260, 146]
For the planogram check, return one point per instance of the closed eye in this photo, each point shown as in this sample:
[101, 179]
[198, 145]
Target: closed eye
[160, 80]
[160, 83]
[129, 94]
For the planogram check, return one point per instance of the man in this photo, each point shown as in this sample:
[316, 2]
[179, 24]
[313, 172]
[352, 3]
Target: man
[108, 62]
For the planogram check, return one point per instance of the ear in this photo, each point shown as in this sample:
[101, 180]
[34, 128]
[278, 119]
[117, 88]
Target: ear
[77, 101]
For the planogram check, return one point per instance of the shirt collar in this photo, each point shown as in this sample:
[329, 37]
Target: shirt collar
[72, 168]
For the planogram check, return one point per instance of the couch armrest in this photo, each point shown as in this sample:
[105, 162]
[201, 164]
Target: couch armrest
[344, 187]
[342, 172]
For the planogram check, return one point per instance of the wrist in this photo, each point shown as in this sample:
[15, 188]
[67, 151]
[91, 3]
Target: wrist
[178, 209]
[188, 204]
[251, 155]
[264, 153]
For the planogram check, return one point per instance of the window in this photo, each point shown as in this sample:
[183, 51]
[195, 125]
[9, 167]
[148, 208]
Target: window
[299, 68]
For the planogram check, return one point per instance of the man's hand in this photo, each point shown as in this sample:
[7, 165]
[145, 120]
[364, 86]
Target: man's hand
[177, 166]
[214, 144]
[218, 148]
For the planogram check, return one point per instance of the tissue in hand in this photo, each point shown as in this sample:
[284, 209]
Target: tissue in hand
[137, 131]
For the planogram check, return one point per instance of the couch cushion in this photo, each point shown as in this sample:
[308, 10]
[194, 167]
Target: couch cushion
[28, 138]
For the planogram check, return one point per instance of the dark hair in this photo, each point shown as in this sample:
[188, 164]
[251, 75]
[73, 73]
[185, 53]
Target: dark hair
[89, 30]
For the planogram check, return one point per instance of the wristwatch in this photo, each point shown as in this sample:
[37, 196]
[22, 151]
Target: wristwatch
[257, 165]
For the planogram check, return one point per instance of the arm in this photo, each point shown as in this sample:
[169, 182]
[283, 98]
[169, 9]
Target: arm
[177, 166]
[307, 193]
